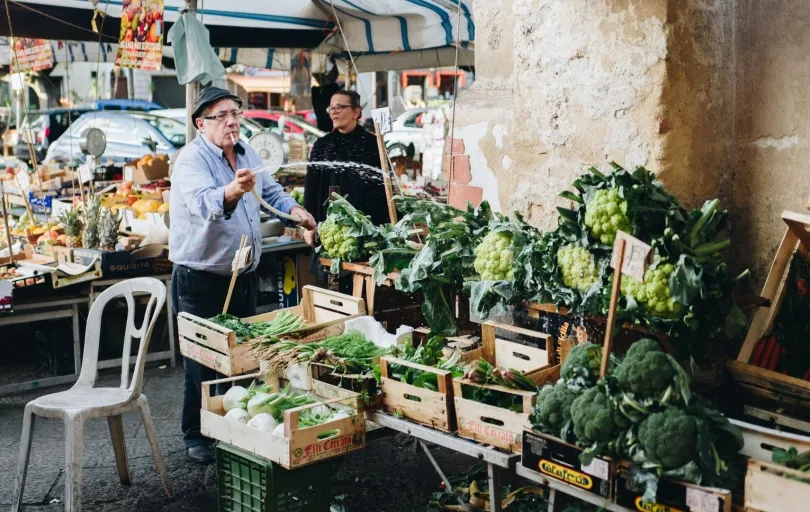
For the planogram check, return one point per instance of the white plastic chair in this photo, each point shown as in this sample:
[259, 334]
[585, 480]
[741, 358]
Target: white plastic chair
[83, 401]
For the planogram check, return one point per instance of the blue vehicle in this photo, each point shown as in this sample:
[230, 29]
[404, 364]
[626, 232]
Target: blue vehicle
[130, 105]
[130, 135]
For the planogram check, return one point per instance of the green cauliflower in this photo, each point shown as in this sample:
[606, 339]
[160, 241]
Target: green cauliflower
[337, 243]
[493, 257]
[669, 438]
[553, 408]
[605, 214]
[654, 292]
[578, 267]
[647, 372]
[595, 418]
[585, 355]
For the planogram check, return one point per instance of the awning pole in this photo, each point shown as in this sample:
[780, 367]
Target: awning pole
[191, 87]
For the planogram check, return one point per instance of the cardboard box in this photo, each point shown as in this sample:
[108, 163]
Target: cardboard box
[157, 170]
[553, 458]
[149, 260]
[672, 496]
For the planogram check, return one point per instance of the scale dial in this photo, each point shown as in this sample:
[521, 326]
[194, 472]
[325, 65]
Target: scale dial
[271, 149]
[94, 142]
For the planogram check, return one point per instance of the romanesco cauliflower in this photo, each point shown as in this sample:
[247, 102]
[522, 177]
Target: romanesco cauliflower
[493, 257]
[654, 293]
[336, 241]
[579, 269]
[605, 214]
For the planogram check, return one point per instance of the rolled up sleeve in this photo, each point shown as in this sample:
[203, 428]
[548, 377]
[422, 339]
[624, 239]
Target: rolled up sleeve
[198, 189]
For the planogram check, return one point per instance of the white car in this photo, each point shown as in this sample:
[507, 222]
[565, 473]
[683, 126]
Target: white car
[407, 130]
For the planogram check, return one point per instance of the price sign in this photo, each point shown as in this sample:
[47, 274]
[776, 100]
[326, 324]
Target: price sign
[382, 118]
[85, 173]
[637, 255]
[243, 258]
[24, 181]
[6, 303]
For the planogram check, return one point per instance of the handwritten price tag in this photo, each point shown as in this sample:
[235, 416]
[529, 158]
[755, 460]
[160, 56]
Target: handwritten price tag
[382, 118]
[6, 301]
[243, 258]
[637, 255]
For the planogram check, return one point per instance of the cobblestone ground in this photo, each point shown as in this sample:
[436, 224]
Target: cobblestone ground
[388, 476]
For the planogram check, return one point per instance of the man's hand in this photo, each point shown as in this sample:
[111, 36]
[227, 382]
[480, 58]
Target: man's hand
[311, 237]
[307, 220]
[243, 182]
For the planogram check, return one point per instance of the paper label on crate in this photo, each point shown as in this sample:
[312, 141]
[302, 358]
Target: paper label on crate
[636, 255]
[382, 118]
[24, 180]
[325, 449]
[242, 258]
[128, 170]
[701, 501]
[6, 305]
[598, 468]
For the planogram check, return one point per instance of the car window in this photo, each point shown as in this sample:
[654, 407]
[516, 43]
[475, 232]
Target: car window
[80, 125]
[64, 119]
[173, 130]
[120, 129]
[411, 121]
[265, 123]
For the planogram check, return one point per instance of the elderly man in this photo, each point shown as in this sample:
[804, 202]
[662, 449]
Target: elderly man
[212, 207]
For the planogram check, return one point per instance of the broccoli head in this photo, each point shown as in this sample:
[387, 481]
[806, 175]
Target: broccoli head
[595, 418]
[553, 407]
[584, 355]
[646, 370]
[669, 438]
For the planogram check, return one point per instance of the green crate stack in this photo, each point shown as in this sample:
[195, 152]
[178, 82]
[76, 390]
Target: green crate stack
[248, 483]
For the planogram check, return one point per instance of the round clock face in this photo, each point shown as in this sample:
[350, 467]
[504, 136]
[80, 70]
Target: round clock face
[270, 148]
[96, 142]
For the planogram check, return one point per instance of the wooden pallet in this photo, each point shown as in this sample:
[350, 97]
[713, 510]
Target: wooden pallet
[759, 384]
[217, 347]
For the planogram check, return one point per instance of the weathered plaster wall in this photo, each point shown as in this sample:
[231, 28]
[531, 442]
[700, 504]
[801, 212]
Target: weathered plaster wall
[773, 131]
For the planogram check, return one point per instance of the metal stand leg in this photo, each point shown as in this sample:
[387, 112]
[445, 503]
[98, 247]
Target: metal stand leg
[448, 488]
[170, 316]
[494, 487]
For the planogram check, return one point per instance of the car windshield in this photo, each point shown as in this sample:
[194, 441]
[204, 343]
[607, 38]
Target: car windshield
[173, 130]
[308, 128]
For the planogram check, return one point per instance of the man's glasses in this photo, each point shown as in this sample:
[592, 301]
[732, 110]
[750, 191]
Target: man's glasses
[222, 116]
[337, 109]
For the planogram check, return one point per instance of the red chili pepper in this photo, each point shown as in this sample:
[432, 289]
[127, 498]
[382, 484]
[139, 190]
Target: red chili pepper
[442, 486]
[802, 287]
[770, 348]
[759, 349]
[775, 357]
[807, 375]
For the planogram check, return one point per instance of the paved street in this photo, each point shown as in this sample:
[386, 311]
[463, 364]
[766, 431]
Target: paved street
[388, 476]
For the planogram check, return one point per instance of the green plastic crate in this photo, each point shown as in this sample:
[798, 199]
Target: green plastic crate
[248, 483]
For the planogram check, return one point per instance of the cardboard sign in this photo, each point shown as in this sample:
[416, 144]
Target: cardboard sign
[242, 258]
[29, 54]
[637, 255]
[24, 180]
[382, 118]
[140, 42]
[58, 207]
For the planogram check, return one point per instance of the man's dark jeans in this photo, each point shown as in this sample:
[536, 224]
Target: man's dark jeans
[203, 294]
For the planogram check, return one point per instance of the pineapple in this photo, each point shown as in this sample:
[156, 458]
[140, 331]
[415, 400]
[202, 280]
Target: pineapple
[109, 222]
[91, 221]
[72, 222]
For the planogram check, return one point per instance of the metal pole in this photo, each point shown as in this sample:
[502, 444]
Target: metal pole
[131, 83]
[191, 88]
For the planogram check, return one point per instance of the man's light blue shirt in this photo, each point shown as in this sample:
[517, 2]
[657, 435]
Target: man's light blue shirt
[203, 236]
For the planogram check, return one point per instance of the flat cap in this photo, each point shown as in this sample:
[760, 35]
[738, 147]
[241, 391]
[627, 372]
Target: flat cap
[209, 96]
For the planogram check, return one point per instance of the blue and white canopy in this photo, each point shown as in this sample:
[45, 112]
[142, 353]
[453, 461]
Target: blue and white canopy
[381, 34]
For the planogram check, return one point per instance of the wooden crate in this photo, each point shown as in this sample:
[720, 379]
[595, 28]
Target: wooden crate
[758, 383]
[769, 488]
[299, 446]
[216, 347]
[503, 346]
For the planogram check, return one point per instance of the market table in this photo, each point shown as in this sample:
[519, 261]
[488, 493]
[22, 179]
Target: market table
[43, 310]
[96, 287]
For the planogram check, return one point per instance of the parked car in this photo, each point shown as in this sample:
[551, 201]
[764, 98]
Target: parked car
[247, 127]
[129, 136]
[43, 126]
[293, 126]
[406, 130]
[137, 105]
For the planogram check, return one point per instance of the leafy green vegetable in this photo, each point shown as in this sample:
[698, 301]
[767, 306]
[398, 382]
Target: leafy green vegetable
[350, 352]
[347, 234]
[283, 323]
[552, 411]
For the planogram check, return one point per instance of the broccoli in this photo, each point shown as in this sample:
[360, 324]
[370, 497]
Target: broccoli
[493, 257]
[553, 409]
[654, 292]
[585, 355]
[669, 438]
[651, 375]
[578, 267]
[595, 418]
